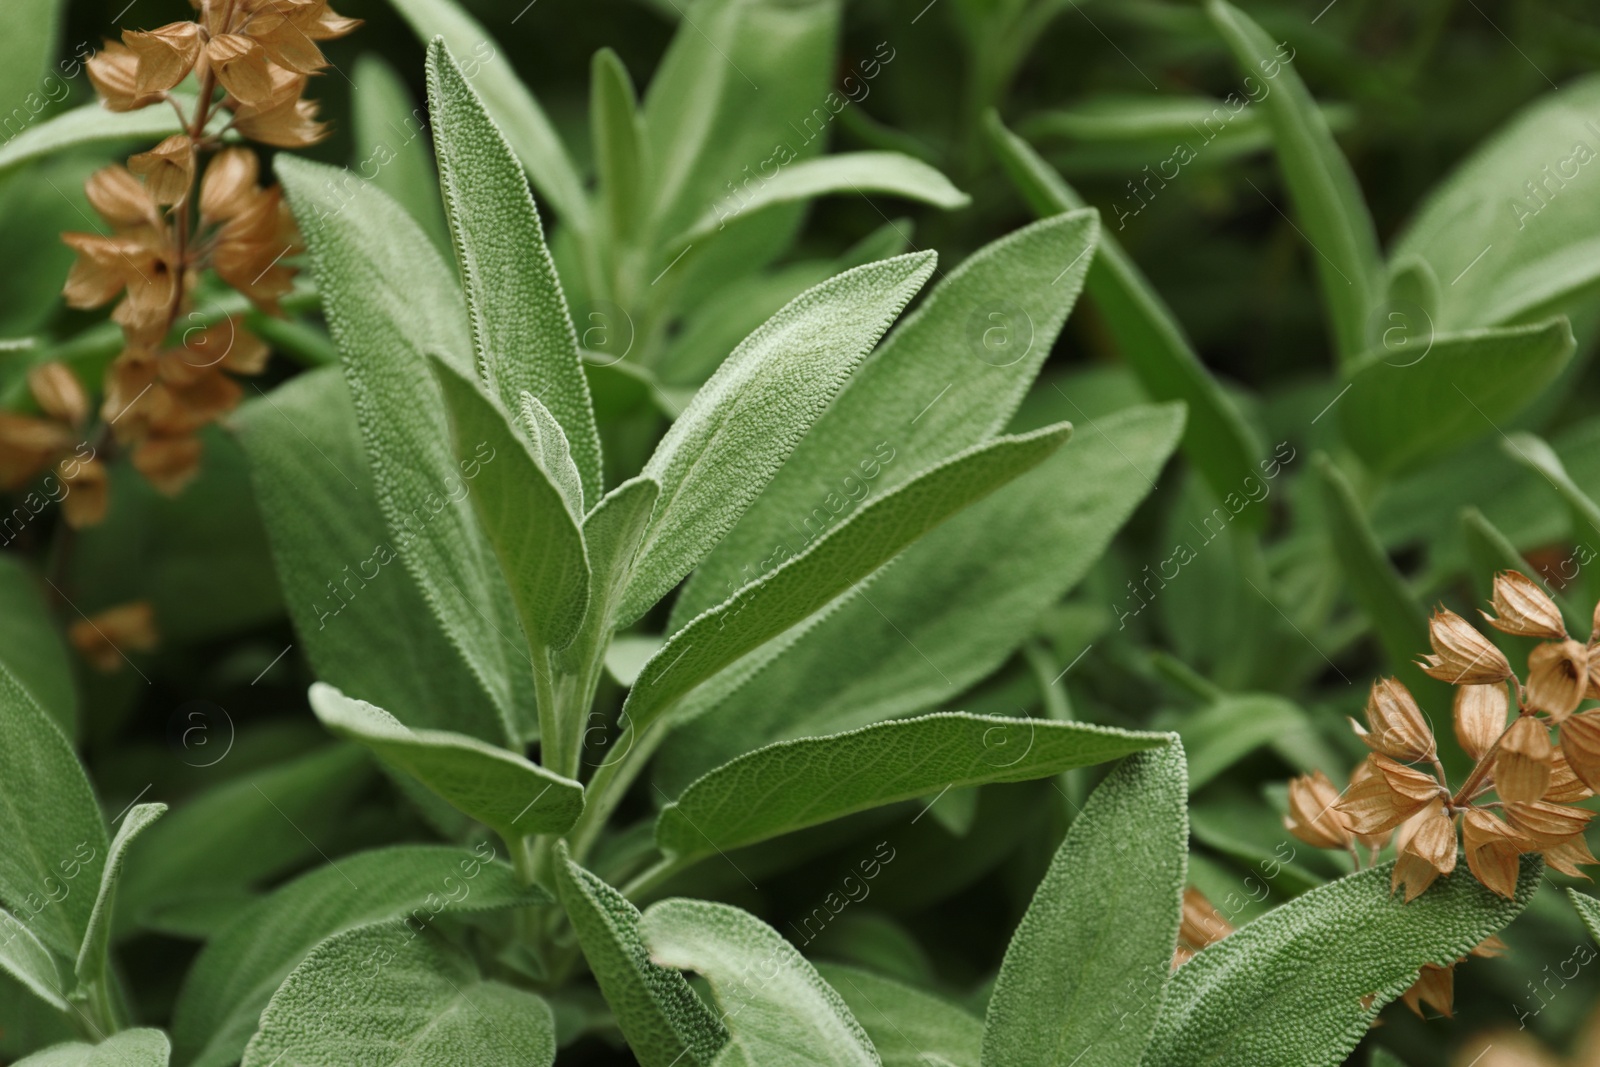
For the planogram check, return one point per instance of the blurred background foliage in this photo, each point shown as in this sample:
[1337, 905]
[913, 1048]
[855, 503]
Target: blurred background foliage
[1258, 681]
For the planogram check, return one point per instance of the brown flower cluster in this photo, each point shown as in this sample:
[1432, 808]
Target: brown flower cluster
[250, 61]
[31, 444]
[1535, 778]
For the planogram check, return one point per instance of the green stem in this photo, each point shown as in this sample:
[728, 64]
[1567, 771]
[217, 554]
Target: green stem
[653, 877]
[555, 750]
[607, 788]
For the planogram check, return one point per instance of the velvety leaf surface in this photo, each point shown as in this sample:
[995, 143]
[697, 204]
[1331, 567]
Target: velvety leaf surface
[385, 994]
[1149, 337]
[1327, 198]
[375, 634]
[664, 1020]
[510, 794]
[795, 784]
[1588, 910]
[1082, 978]
[52, 835]
[26, 959]
[908, 1027]
[742, 425]
[789, 1018]
[237, 972]
[391, 301]
[947, 377]
[520, 327]
[1405, 409]
[507, 99]
[948, 611]
[93, 957]
[1302, 983]
[611, 534]
[870, 538]
[130, 1048]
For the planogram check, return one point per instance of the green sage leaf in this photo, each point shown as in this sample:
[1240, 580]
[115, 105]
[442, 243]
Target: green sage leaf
[93, 957]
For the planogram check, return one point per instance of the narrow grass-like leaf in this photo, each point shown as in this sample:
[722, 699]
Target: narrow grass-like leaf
[236, 974]
[508, 100]
[384, 995]
[621, 154]
[129, 1048]
[1218, 736]
[1533, 453]
[772, 603]
[25, 958]
[664, 1020]
[1514, 229]
[1082, 979]
[742, 425]
[236, 835]
[949, 376]
[794, 784]
[888, 173]
[94, 956]
[1327, 199]
[1303, 983]
[788, 1018]
[908, 1027]
[31, 647]
[525, 515]
[1218, 441]
[520, 327]
[501, 789]
[390, 300]
[947, 612]
[374, 633]
[1404, 410]
[52, 835]
[391, 142]
[550, 447]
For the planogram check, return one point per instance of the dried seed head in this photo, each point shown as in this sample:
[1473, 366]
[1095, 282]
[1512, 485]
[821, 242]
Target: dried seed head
[59, 393]
[168, 463]
[1570, 857]
[241, 66]
[114, 73]
[165, 55]
[1202, 924]
[1580, 742]
[1435, 987]
[1461, 655]
[120, 198]
[1398, 729]
[1493, 849]
[287, 43]
[1565, 785]
[1490, 948]
[87, 496]
[27, 446]
[1547, 825]
[1373, 804]
[1522, 608]
[1429, 852]
[229, 184]
[106, 638]
[1480, 716]
[1312, 816]
[291, 124]
[145, 316]
[1558, 674]
[103, 267]
[167, 169]
[1522, 765]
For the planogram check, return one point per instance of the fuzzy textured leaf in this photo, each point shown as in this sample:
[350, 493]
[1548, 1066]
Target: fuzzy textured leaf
[908, 1027]
[25, 958]
[130, 1048]
[794, 784]
[93, 956]
[1303, 983]
[1082, 978]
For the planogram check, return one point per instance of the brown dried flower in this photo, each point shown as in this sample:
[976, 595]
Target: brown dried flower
[1312, 816]
[1398, 729]
[1522, 608]
[1428, 852]
[105, 639]
[1461, 655]
[1480, 717]
[1558, 674]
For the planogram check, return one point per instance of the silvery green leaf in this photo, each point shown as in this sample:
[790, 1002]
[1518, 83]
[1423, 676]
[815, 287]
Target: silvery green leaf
[521, 331]
[237, 972]
[771, 603]
[129, 1048]
[1082, 978]
[52, 835]
[26, 959]
[386, 995]
[788, 1018]
[514, 108]
[391, 143]
[612, 533]
[741, 426]
[553, 452]
[908, 1027]
[390, 302]
[91, 124]
[511, 795]
[622, 155]
[32, 648]
[1303, 983]
[947, 377]
[93, 957]
[794, 784]
[665, 1022]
